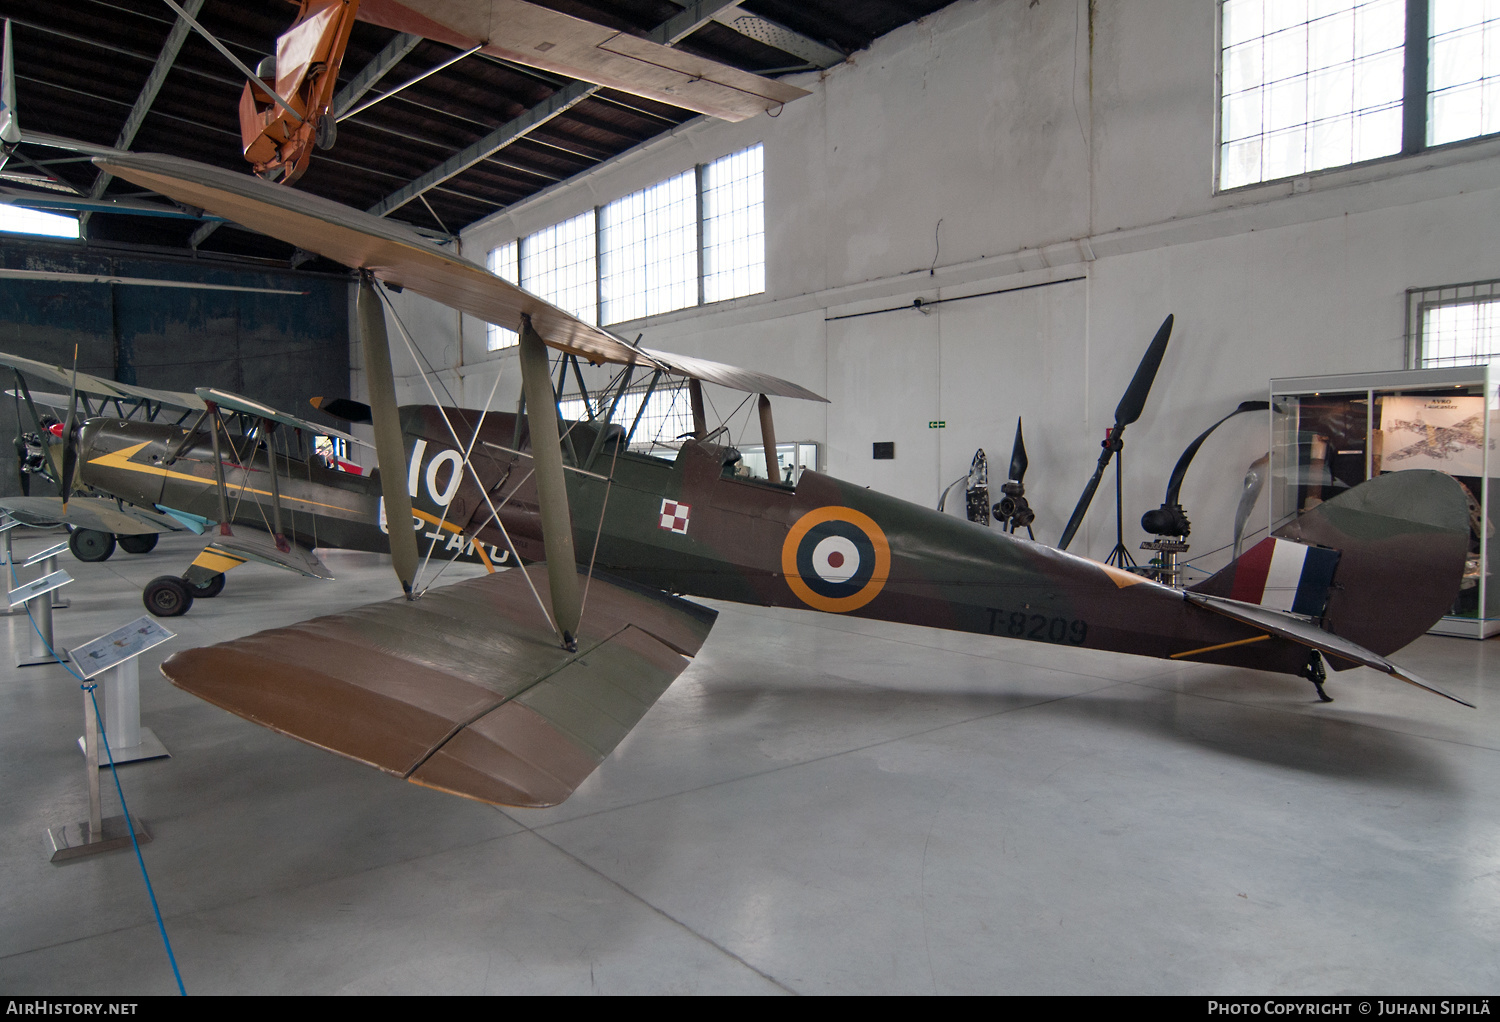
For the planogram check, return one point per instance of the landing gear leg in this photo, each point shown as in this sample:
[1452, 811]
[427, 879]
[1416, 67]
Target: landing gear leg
[1317, 674]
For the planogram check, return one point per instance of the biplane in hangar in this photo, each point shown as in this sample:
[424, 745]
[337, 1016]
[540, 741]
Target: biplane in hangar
[263, 485]
[512, 687]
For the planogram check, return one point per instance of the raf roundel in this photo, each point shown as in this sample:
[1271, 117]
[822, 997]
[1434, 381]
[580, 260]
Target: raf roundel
[836, 559]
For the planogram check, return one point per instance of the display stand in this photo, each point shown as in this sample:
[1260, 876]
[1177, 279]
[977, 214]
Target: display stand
[118, 650]
[1329, 433]
[10, 524]
[37, 596]
[117, 653]
[8, 530]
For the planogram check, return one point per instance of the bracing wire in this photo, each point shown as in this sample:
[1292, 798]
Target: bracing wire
[467, 451]
[411, 347]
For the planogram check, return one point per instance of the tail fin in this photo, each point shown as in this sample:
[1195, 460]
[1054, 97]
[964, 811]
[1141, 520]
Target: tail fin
[1379, 564]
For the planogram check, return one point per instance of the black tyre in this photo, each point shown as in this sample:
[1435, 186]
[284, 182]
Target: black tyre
[88, 545]
[207, 590]
[327, 131]
[138, 544]
[167, 596]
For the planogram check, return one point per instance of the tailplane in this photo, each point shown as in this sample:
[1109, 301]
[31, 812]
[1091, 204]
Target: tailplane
[1378, 565]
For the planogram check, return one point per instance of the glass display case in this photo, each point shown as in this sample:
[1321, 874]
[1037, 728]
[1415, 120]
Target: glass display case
[791, 459]
[1329, 433]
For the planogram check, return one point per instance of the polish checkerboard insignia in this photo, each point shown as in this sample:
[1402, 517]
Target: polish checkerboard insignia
[674, 516]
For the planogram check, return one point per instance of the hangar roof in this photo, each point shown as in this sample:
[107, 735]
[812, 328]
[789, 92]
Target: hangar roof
[83, 69]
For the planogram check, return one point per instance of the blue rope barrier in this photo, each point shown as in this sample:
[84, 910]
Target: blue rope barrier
[89, 687]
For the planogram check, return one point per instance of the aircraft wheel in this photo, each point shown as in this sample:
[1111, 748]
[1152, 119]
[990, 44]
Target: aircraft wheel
[138, 544]
[327, 131]
[207, 590]
[88, 545]
[167, 596]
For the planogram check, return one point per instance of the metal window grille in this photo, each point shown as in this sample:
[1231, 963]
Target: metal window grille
[1458, 324]
[734, 225]
[505, 264]
[648, 251]
[695, 238]
[1463, 70]
[667, 416]
[1307, 85]
[559, 263]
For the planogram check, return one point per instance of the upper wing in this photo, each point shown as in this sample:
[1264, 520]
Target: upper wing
[465, 690]
[539, 37]
[399, 256]
[98, 386]
[245, 406]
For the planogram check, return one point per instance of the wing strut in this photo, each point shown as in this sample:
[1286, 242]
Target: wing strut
[390, 449]
[551, 487]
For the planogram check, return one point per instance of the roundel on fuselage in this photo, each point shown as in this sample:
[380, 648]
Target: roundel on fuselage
[836, 559]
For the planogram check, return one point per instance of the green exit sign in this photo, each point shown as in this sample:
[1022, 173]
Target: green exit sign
[937, 424]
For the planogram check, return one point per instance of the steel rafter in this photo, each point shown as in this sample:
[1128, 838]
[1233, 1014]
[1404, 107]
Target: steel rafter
[394, 53]
[154, 82]
[693, 17]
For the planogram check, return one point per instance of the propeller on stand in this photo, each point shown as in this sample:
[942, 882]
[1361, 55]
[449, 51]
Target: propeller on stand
[1169, 523]
[1255, 479]
[977, 490]
[1013, 512]
[1127, 411]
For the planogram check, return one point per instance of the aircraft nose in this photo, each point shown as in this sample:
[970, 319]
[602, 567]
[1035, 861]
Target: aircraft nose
[89, 447]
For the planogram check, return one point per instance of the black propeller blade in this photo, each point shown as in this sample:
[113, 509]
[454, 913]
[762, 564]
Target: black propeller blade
[1018, 460]
[1127, 411]
[1013, 512]
[1169, 519]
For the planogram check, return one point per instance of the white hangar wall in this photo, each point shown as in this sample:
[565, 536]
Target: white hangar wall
[1003, 144]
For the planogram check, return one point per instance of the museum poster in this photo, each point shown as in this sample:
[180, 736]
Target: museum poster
[1443, 433]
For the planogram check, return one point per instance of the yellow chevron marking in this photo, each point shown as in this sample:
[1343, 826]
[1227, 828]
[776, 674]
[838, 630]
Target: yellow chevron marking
[213, 560]
[478, 547]
[121, 459]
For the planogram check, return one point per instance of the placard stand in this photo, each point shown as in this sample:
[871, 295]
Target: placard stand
[96, 834]
[128, 741]
[37, 595]
[122, 711]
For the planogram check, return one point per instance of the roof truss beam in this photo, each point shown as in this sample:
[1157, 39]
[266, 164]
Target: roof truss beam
[154, 81]
[674, 30]
[394, 53]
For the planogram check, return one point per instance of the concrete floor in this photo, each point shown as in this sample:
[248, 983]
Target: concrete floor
[818, 805]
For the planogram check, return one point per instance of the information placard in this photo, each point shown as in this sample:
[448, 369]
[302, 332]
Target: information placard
[120, 645]
[37, 587]
[51, 551]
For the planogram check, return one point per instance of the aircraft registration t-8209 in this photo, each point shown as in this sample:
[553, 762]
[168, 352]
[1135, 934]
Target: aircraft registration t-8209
[511, 688]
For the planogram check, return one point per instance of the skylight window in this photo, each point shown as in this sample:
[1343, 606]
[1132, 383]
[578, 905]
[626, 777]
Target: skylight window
[20, 220]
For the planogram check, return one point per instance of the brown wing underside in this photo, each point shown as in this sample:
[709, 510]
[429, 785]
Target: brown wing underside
[465, 690]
